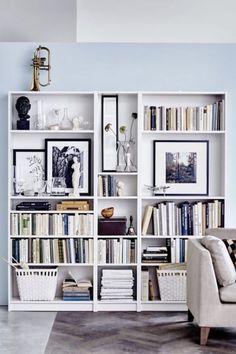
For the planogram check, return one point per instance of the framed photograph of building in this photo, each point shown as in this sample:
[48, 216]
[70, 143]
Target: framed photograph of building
[181, 167]
[60, 155]
[109, 132]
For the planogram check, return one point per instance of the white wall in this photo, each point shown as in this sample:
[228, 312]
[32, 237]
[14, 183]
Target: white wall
[156, 21]
[37, 20]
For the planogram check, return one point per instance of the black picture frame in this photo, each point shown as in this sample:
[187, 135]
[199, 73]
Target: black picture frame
[108, 137]
[194, 179]
[69, 145]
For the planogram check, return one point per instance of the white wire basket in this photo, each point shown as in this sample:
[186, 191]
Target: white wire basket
[37, 284]
[172, 284]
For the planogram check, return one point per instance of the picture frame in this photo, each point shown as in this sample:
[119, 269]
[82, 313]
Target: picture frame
[59, 159]
[29, 163]
[181, 167]
[109, 115]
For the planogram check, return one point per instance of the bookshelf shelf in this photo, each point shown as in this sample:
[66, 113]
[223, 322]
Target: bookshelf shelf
[118, 173]
[184, 132]
[180, 197]
[50, 197]
[116, 236]
[52, 212]
[50, 236]
[136, 197]
[54, 132]
[118, 198]
[117, 264]
[60, 264]
[177, 236]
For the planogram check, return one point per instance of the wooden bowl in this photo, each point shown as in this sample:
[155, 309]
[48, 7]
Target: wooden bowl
[107, 212]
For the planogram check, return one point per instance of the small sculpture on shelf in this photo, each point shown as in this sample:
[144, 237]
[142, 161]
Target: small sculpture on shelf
[120, 188]
[154, 189]
[23, 106]
[131, 230]
[107, 213]
[78, 123]
[75, 177]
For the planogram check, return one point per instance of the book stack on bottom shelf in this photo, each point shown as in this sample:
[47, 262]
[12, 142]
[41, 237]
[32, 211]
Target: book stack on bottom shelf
[76, 291]
[117, 285]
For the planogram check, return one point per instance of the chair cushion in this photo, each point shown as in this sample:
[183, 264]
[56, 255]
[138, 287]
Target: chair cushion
[231, 247]
[223, 266]
[228, 293]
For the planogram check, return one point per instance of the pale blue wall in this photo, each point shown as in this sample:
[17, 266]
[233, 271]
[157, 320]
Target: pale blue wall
[163, 67]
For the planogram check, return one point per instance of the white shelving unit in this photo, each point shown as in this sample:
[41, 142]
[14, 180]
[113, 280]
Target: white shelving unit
[88, 105]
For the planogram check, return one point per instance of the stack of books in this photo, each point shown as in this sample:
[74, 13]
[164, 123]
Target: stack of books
[155, 254]
[117, 285]
[33, 206]
[73, 205]
[76, 291]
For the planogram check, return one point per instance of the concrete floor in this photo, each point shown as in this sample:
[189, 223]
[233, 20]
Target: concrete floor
[24, 332]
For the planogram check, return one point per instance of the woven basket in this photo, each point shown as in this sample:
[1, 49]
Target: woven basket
[172, 284]
[37, 284]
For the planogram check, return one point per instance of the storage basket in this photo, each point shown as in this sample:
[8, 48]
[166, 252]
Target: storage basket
[37, 284]
[172, 284]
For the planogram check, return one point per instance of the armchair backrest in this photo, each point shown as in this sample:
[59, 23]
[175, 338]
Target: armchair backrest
[222, 233]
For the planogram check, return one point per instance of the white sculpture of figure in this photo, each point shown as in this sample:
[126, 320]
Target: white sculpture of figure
[75, 177]
[120, 188]
[77, 122]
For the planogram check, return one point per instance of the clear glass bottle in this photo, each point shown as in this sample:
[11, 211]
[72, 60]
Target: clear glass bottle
[66, 123]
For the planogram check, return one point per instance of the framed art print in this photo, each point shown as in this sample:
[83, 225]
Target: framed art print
[29, 164]
[181, 166]
[109, 132]
[59, 161]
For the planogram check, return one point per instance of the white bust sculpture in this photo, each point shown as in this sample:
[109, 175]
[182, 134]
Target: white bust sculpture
[120, 188]
[75, 177]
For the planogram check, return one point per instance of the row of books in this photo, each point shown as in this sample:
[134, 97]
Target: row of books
[208, 117]
[117, 251]
[107, 186]
[117, 285]
[172, 219]
[149, 280]
[53, 250]
[76, 290]
[25, 224]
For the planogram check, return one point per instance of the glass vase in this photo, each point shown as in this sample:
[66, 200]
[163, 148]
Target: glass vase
[126, 157]
[66, 123]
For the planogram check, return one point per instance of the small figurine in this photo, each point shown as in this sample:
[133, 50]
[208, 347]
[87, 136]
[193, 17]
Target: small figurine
[130, 230]
[23, 106]
[120, 188]
[75, 177]
[155, 189]
[77, 121]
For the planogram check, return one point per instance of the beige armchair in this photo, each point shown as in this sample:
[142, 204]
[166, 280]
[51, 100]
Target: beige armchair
[203, 297]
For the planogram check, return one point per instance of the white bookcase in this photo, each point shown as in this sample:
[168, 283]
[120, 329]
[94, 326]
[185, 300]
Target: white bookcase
[136, 196]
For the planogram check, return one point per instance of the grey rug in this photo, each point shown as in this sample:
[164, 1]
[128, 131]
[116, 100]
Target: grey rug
[130, 332]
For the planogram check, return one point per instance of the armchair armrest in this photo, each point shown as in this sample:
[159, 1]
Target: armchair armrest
[202, 289]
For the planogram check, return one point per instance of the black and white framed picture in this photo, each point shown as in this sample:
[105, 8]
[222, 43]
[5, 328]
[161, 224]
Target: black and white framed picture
[29, 165]
[181, 167]
[109, 132]
[60, 155]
